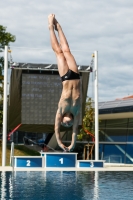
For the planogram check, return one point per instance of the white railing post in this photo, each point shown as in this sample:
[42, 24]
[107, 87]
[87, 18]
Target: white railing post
[96, 105]
[12, 154]
[4, 139]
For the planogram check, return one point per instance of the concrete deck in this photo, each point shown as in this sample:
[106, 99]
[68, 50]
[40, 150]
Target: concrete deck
[113, 167]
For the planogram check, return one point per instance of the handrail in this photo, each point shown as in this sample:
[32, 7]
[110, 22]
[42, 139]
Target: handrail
[12, 155]
[35, 143]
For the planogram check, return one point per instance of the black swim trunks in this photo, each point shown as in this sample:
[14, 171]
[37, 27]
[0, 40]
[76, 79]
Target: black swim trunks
[70, 75]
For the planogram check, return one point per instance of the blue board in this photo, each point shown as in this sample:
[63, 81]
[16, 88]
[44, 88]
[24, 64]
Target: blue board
[60, 160]
[28, 162]
[91, 164]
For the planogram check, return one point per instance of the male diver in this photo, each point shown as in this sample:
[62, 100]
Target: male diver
[69, 104]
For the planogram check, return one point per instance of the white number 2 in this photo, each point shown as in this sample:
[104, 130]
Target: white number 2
[28, 163]
[61, 160]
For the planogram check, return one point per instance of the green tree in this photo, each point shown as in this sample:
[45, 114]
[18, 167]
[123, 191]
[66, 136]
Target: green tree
[5, 39]
[87, 131]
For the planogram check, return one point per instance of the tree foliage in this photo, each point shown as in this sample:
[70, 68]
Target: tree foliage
[5, 39]
[87, 132]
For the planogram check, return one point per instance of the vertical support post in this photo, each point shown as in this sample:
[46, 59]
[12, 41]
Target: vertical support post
[5, 109]
[12, 154]
[96, 105]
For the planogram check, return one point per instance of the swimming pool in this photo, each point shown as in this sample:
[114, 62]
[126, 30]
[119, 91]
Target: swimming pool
[66, 185]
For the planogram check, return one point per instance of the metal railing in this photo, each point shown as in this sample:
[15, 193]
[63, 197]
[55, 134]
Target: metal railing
[12, 156]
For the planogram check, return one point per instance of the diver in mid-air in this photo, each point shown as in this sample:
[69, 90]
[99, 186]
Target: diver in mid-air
[68, 111]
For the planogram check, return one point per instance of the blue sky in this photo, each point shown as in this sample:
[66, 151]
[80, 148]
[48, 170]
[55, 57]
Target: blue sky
[105, 26]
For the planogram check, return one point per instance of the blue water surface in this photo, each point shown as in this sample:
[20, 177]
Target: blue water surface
[66, 185]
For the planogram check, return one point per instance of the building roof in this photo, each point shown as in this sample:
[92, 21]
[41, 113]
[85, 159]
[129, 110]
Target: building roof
[119, 108]
[46, 67]
[116, 103]
[128, 97]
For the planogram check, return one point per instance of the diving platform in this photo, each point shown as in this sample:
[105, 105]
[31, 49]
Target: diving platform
[54, 160]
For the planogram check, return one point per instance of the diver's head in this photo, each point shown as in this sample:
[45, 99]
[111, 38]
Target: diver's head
[67, 120]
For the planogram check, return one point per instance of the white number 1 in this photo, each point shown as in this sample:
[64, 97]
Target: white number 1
[61, 160]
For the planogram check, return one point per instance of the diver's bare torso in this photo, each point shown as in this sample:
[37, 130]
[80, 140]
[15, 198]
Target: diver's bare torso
[70, 97]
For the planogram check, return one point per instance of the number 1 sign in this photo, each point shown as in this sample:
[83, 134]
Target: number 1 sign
[61, 160]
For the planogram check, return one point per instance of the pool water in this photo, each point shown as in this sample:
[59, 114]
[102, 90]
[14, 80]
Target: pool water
[66, 185]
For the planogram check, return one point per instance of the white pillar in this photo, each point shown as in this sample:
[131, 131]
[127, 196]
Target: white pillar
[5, 109]
[12, 154]
[96, 105]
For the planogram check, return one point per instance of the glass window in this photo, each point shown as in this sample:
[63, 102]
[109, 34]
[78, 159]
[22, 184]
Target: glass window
[100, 151]
[32, 136]
[130, 125]
[115, 135]
[102, 136]
[130, 135]
[117, 123]
[114, 153]
[129, 153]
[20, 136]
[102, 123]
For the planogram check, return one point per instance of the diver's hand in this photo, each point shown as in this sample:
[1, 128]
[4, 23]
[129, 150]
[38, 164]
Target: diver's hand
[62, 146]
[71, 147]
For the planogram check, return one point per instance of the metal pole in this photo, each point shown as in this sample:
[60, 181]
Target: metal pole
[12, 153]
[12, 156]
[96, 106]
[5, 109]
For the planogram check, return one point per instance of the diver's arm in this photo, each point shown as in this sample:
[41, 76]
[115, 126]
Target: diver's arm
[75, 132]
[58, 119]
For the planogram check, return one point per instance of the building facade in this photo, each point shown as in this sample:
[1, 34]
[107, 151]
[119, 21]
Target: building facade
[116, 131]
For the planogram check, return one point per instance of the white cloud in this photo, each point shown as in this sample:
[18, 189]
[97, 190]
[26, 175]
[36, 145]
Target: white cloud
[105, 26]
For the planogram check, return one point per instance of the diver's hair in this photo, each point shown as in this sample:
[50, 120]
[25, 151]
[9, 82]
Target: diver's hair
[70, 115]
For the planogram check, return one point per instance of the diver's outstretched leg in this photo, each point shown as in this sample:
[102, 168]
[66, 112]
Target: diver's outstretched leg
[65, 47]
[54, 42]
[61, 61]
